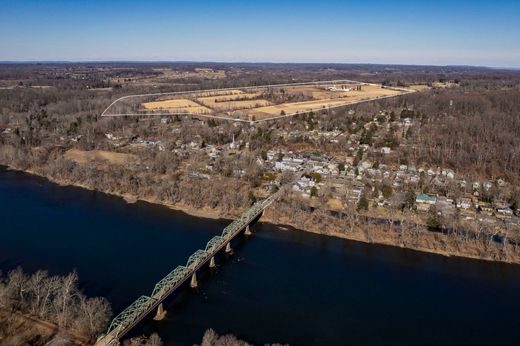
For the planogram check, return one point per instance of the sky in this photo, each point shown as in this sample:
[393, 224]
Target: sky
[483, 33]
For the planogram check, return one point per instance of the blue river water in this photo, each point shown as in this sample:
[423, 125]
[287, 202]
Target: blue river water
[281, 285]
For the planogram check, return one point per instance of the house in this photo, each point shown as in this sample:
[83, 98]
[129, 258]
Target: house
[426, 199]
[504, 212]
[486, 208]
[487, 185]
[445, 205]
[357, 190]
[448, 173]
[464, 203]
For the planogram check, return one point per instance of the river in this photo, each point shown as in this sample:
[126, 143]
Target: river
[281, 285]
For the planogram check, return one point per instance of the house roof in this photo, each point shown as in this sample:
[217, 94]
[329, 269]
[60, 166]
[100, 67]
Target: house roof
[425, 198]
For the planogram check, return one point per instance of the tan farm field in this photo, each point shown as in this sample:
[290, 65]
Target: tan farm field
[368, 92]
[234, 102]
[177, 106]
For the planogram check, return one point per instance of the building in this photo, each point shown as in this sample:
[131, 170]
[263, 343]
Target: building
[464, 203]
[386, 150]
[426, 199]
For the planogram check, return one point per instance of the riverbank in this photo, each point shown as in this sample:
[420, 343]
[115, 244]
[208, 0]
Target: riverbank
[204, 212]
[417, 240]
[407, 235]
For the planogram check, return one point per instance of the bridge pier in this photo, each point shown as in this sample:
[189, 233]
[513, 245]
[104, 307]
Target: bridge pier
[212, 262]
[194, 283]
[229, 250]
[248, 230]
[161, 313]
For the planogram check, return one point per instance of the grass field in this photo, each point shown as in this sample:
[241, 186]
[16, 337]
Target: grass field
[83, 157]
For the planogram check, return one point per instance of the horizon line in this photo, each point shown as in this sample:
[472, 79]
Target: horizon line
[246, 62]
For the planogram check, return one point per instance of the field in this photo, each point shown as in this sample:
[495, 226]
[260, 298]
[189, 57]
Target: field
[324, 100]
[234, 102]
[177, 106]
[99, 157]
[265, 102]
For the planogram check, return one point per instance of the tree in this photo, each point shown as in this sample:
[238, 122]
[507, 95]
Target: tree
[153, 340]
[388, 191]
[65, 296]
[434, 222]
[362, 204]
[409, 200]
[359, 156]
[94, 314]
[18, 284]
[314, 191]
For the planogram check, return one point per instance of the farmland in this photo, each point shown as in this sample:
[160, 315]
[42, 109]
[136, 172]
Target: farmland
[177, 106]
[259, 103]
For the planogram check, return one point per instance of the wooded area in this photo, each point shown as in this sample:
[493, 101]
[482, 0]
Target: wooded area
[55, 299]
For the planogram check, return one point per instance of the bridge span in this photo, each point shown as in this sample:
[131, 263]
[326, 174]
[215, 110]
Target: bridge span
[144, 305]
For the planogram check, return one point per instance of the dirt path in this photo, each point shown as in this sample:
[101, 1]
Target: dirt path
[51, 328]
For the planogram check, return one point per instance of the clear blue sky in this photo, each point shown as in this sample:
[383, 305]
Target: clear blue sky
[405, 32]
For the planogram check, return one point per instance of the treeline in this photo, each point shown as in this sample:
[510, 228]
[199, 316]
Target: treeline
[54, 299]
[477, 133]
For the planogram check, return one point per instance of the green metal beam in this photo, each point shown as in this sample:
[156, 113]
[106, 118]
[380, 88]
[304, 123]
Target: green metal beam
[214, 242]
[195, 259]
[169, 280]
[130, 314]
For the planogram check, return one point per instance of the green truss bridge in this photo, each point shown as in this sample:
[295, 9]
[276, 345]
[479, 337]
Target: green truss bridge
[144, 305]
